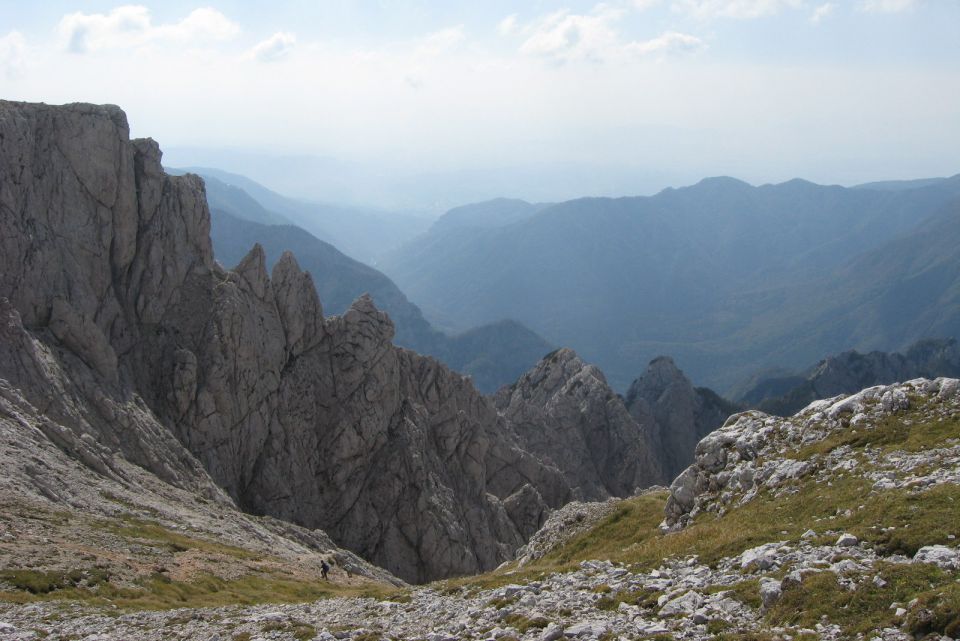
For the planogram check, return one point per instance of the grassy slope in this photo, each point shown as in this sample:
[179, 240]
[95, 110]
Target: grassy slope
[894, 522]
[174, 570]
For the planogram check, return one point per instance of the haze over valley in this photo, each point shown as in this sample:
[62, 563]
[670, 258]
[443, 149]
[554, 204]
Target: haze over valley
[569, 321]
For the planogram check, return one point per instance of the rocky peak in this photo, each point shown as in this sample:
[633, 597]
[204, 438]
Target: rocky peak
[661, 374]
[253, 270]
[298, 304]
[676, 413]
[564, 409]
[851, 370]
[125, 327]
[559, 372]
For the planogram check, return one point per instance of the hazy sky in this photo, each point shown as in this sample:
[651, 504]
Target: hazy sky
[765, 90]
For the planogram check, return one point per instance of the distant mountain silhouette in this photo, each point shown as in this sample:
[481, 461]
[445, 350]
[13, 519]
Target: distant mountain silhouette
[487, 214]
[726, 277]
[786, 394]
[900, 185]
[363, 234]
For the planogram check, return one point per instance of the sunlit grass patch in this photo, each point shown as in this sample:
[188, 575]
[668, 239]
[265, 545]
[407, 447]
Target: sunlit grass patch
[523, 624]
[158, 592]
[866, 608]
[892, 433]
[896, 521]
[136, 529]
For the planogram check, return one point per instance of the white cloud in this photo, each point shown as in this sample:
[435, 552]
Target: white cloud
[441, 41]
[508, 26]
[822, 11]
[888, 6]
[132, 26]
[277, 46]
[565, 37]
[667, 43]
[743, 9]
[643, 5]
[13, 47]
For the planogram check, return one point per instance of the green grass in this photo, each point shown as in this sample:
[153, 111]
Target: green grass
[889, 435]
[632, 522]
[867, 608]
[137, 529]
[503, 602]
[642, 598]
[158, 592]
[39, 582]
[492, 580]
[937, 611]
[631, 536]
[522, 623]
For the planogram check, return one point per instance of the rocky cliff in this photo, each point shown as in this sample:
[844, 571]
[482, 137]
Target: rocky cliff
[124, 327]
[676, 413]
[564, 410]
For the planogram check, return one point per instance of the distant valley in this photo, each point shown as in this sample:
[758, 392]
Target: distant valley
[175, 433]
[494, 354]
[727, 278]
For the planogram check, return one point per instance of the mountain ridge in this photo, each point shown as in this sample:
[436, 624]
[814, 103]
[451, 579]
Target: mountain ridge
[233, 383]
[699, 272]
[850, 371]
[494, 354]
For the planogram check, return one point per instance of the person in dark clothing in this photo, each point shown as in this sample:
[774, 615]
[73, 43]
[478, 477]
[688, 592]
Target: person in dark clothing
[324, 568]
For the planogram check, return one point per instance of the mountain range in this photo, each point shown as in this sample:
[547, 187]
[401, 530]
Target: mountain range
[727, 278]
[177, 436]
[784, 393]
[362, 233]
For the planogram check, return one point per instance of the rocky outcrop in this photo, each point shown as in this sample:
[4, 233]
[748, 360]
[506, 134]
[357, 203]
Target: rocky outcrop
[125, 326]
[71, 505]
[97, 244]
[850, 371]
[564, 410]
[564, 525]
[755, 454]
[676, 413]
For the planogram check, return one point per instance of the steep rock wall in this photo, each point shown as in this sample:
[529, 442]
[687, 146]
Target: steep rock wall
[107, 261]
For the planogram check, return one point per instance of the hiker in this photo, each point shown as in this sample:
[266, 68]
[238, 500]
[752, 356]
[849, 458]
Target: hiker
[324, 568]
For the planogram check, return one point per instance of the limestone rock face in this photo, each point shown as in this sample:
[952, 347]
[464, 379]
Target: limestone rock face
[69, 214]
[677, 414]
[120, 323]
[564, 410]
[758, 455]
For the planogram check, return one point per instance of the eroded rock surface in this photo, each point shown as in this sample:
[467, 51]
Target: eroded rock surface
[676, 413]
[756, 454]
[564, 410]
[232, 383]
